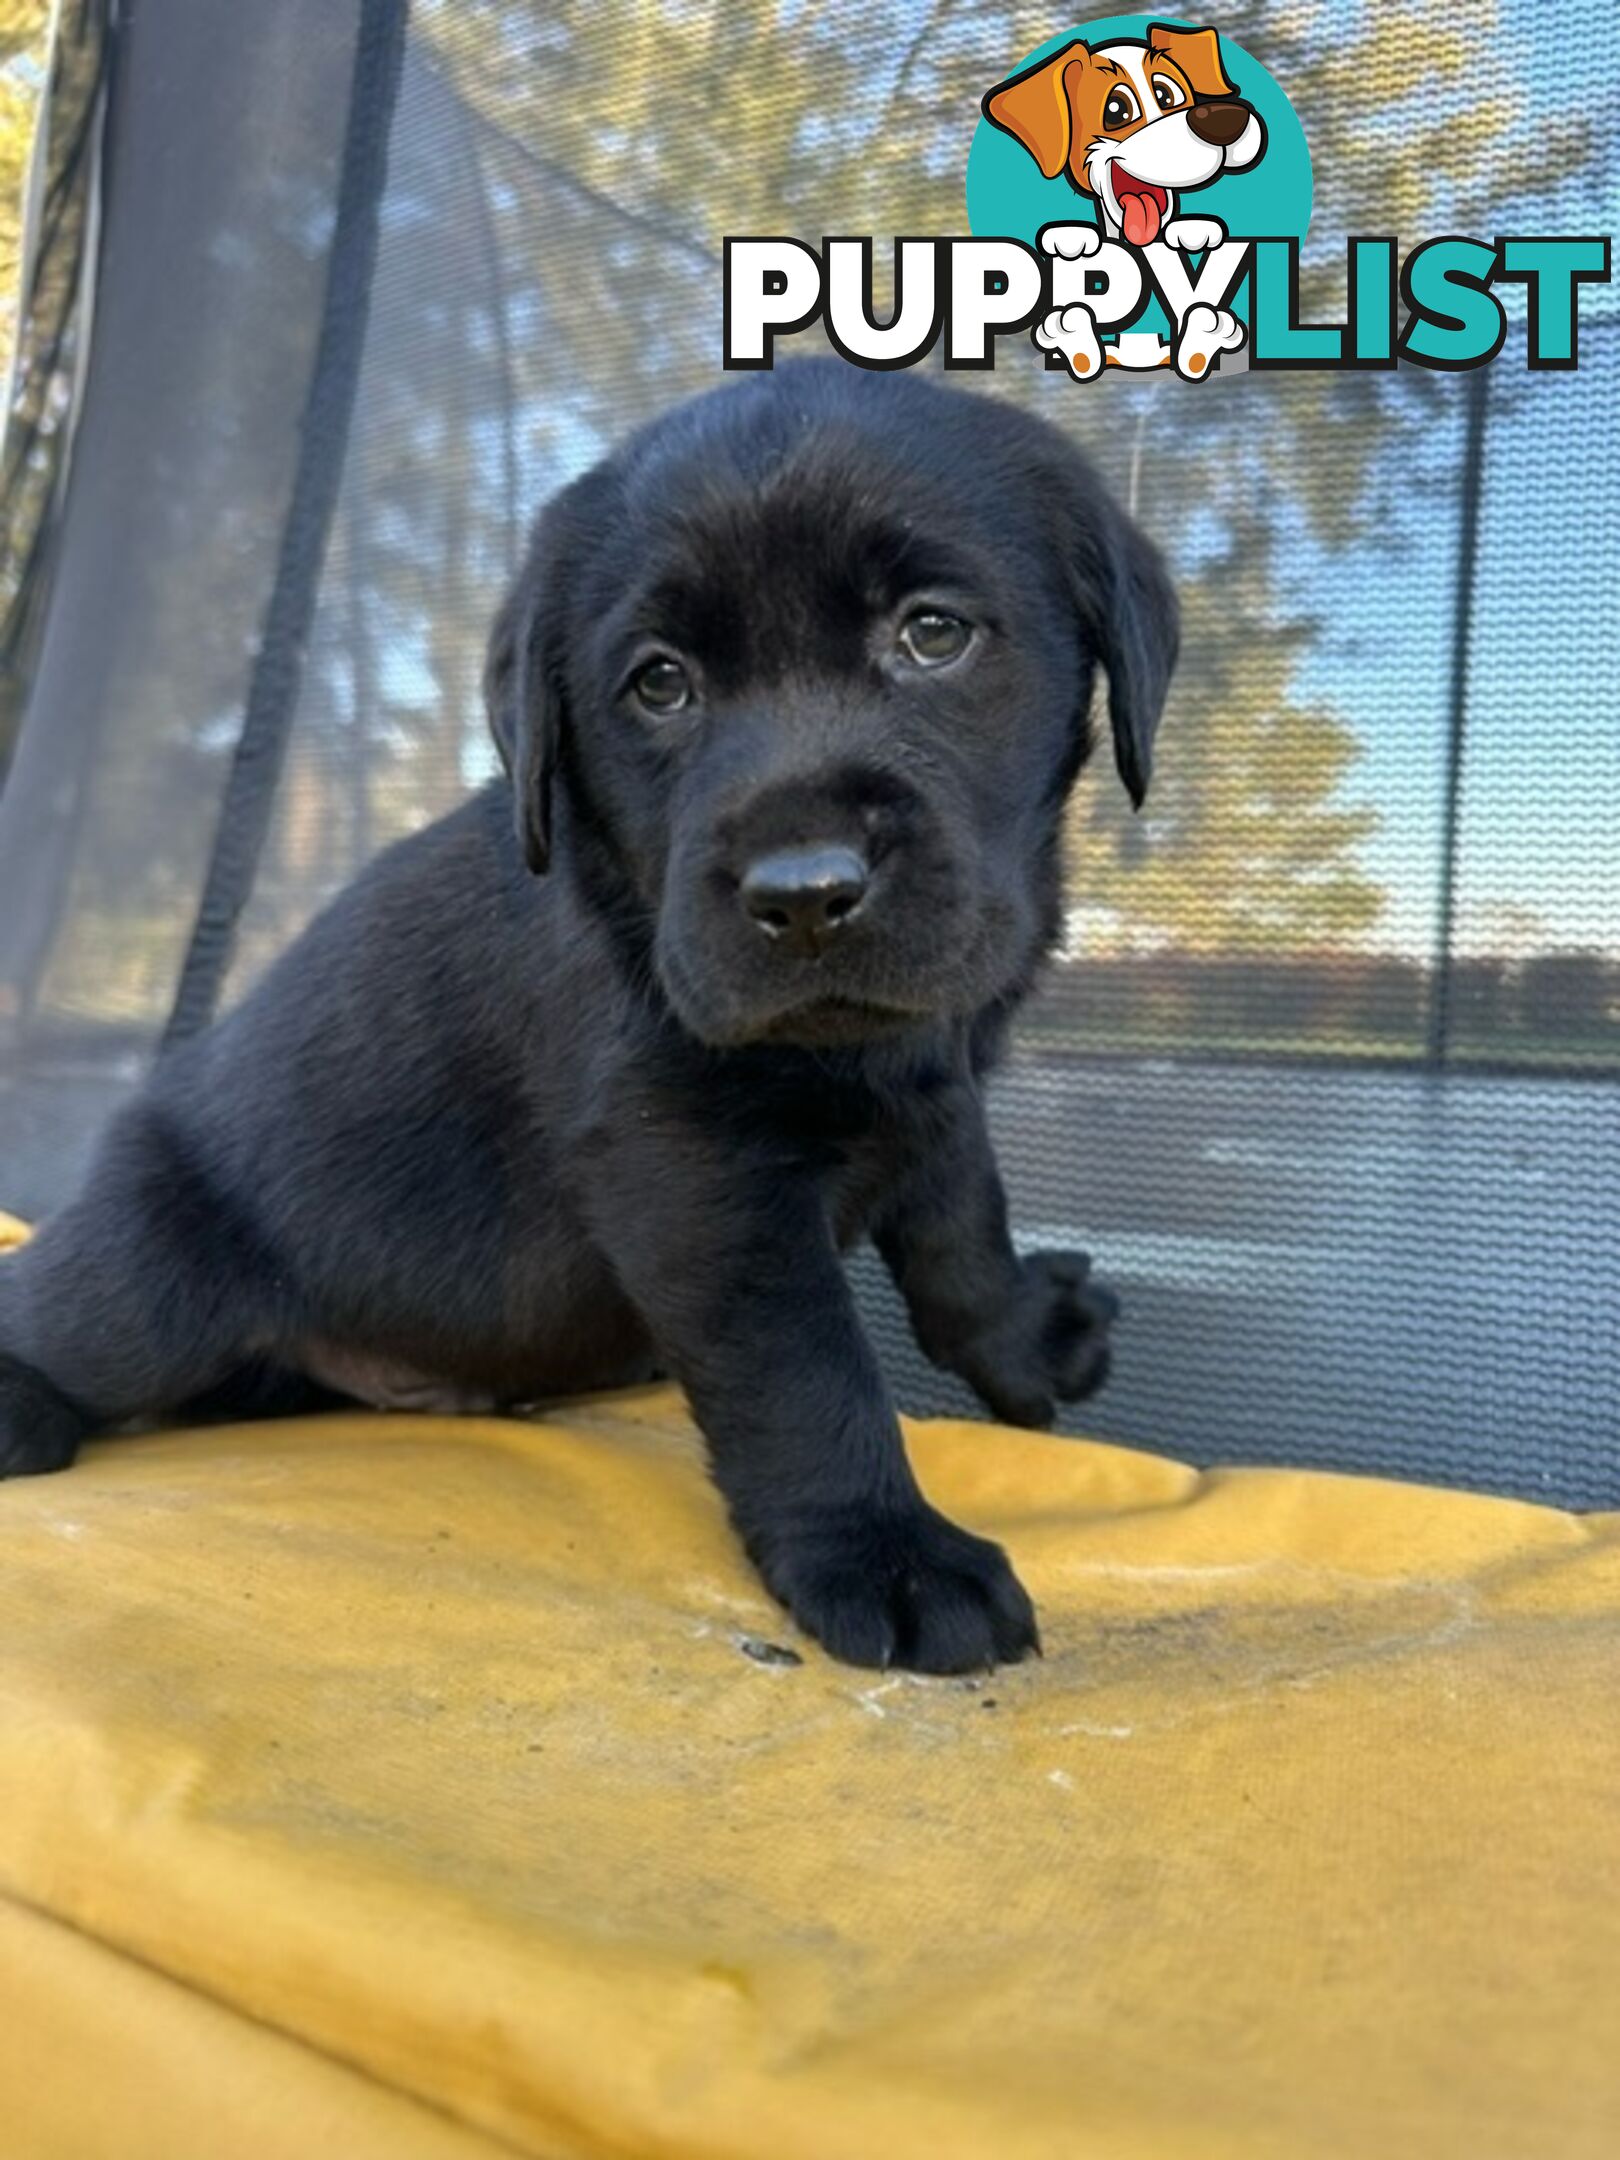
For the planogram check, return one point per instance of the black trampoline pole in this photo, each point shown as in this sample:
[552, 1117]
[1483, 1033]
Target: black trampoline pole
[278, 668]
[1476, 411]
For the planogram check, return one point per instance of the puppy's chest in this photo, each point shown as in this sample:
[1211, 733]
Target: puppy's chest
[861, 1174]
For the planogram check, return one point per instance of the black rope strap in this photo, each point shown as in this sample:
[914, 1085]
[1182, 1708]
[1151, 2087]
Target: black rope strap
[278, 668]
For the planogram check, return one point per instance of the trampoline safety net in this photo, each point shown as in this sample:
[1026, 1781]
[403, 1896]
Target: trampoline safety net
[327, 296]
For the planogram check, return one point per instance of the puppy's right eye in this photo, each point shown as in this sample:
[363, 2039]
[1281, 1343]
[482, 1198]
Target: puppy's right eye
[1120, 109]
[662, 686]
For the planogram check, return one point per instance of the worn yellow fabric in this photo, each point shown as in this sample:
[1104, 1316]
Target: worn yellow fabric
[388, 1786]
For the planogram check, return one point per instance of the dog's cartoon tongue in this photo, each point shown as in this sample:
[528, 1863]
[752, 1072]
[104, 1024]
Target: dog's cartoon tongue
[1141, 208]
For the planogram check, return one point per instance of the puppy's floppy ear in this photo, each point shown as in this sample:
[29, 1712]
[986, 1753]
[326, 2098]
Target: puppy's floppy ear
[524, 705]
[1034, 108]
[1198, 55]
[1142, 639]
[1131, 622]
[524, 688]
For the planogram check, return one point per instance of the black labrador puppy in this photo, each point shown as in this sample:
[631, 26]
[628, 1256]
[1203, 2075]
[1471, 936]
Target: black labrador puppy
[790, 692]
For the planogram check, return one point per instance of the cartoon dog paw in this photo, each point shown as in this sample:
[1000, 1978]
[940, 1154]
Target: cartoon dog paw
[1070, 241]
[1072, 331]
[1205, 332]
[1192, 235]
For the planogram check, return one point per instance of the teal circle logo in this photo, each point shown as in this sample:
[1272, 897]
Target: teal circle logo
[1008, 193]
[1129, 134]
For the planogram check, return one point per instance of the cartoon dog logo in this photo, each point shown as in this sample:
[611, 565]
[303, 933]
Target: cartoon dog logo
[1135, 124]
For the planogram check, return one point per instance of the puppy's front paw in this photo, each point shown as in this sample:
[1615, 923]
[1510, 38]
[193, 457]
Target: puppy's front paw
[900, 1588]
[1048, 1344]
[40, 1429]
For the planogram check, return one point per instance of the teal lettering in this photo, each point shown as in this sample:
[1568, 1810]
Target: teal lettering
[1456, 321]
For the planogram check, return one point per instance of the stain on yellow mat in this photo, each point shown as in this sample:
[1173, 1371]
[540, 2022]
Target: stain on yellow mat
[411, 1786]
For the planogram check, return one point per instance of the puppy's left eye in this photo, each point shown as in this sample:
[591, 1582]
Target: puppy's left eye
[931, 638]
[1167, 94]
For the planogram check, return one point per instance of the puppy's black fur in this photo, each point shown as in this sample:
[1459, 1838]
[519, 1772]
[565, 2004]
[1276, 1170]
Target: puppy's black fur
[484, 1135]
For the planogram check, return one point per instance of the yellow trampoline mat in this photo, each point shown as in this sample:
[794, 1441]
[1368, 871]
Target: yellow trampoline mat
[412, 1786]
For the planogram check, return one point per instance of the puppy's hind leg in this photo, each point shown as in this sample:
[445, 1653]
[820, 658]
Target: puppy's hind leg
[40, 1429]
[141, 1294]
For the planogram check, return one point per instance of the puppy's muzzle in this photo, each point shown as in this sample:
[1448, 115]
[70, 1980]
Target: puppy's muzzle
[801, 898]
[1220, 121]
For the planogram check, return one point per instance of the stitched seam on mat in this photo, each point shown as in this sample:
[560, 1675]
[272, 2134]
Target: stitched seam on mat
[496, 2142]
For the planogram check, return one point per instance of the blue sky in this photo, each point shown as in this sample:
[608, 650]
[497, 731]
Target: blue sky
[1540, 834]
[1541, 773]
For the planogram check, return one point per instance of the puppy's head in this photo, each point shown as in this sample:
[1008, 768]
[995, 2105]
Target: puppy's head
[804, 672]
[1131, 123]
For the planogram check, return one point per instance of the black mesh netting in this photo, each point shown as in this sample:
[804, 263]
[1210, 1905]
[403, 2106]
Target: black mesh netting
[1325, 1073]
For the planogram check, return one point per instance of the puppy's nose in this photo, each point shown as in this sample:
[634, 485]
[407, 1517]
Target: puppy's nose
[1220, 122]
[804, 896]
